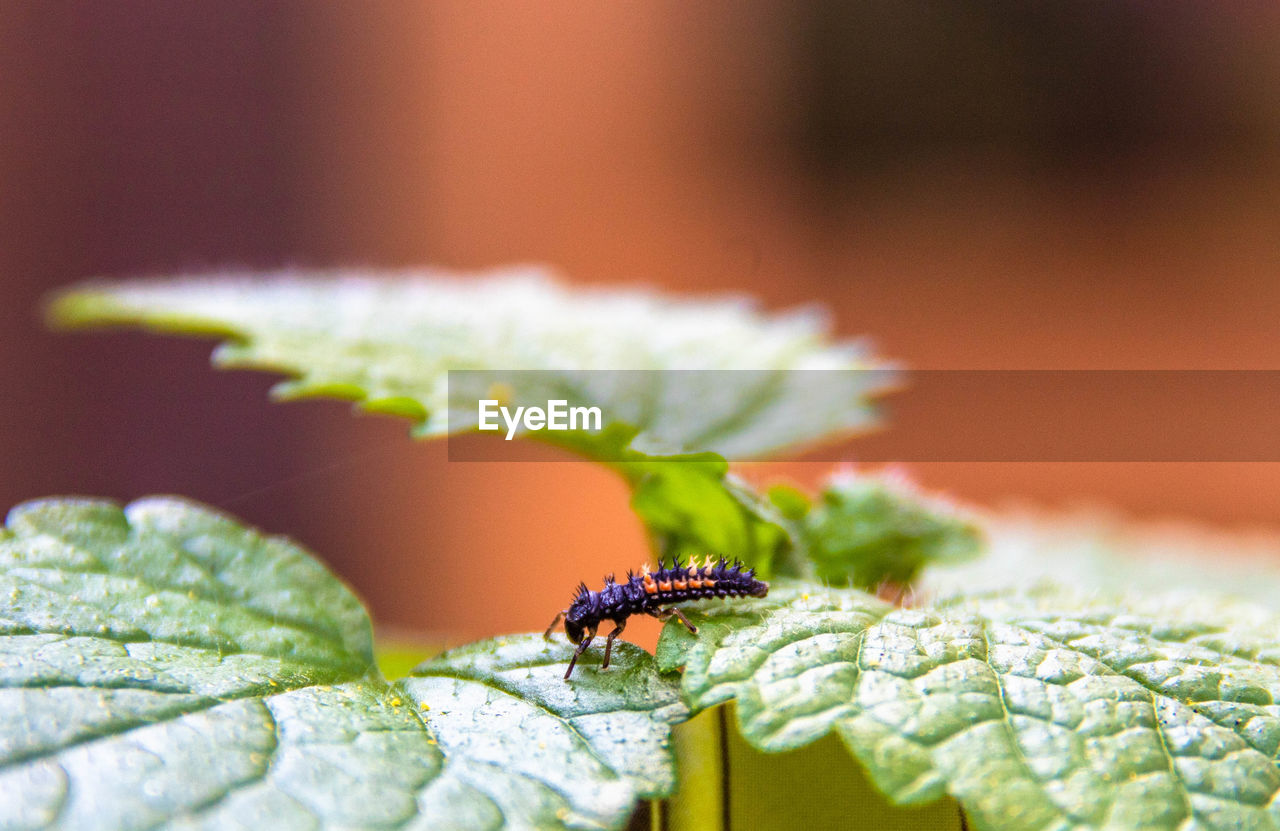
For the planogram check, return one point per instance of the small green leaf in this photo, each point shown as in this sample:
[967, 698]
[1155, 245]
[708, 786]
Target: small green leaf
[696, 506]
[868, 531]
[1045, 710]
[792, 502]
[160, 664]
[389, 344]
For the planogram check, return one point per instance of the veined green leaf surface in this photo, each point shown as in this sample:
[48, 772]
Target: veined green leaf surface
[389, 340]
[551, 753]
[1049, 710]
[162, 665]
[166, 571]
[711, 377]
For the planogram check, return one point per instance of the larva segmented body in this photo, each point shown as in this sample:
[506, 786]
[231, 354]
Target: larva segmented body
[651, 593]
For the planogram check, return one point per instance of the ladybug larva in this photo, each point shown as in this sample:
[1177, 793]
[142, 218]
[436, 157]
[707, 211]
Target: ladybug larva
[653, 593]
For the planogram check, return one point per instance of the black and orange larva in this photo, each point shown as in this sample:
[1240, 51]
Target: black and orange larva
[651, 593]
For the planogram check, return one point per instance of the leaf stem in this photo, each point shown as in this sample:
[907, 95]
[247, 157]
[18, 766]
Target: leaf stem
[726, 811]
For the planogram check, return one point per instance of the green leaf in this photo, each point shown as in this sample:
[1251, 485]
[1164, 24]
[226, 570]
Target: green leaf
[868, 531]
[390, 343]
[549, 752]
[1096, 549]
[160, 664]
[166, 571]
[1043, 710]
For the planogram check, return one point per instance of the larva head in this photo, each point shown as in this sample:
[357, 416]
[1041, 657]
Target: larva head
[581, 611]
[755, 588]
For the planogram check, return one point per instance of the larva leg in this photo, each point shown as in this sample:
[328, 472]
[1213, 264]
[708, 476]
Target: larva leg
[665, 615]
[582, 647]
[546, 636]
[680, 615]
[608, 646]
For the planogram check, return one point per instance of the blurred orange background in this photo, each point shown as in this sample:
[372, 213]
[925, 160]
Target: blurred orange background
[974, 185]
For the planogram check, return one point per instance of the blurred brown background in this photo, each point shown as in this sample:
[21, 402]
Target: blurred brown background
[973, 184]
